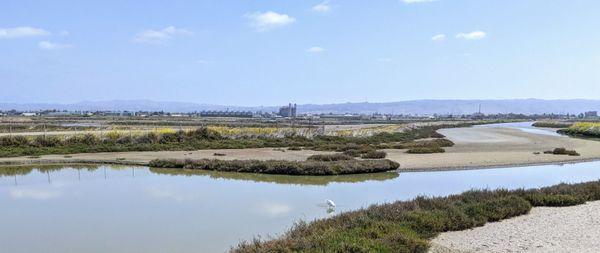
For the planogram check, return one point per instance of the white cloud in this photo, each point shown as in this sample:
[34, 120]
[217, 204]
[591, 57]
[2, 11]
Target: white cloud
[384, 59]
[275, 209]
[22, 31]
[417, 1]
[476, 35]
[172, 194]
[264, 21]
[63, 33]
[322, 7]
[315, 50]
[46, 45]
[438, 37]
[35, 194]
[159, 36]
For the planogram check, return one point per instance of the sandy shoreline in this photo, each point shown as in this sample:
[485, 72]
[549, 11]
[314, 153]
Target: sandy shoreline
[492, 147]
[544, 229]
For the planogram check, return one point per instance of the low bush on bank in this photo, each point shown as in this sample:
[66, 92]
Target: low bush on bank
[425, 144]
[562, 151]
[552, 124]
[426, 150]
[281, 167]
[330, 157]
[406, 226]
[583, 129]
[373, 154]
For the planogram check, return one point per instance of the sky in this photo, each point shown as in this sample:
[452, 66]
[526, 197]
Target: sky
[272, 52]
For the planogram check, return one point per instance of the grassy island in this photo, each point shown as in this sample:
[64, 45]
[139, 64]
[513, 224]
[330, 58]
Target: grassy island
[309, 167]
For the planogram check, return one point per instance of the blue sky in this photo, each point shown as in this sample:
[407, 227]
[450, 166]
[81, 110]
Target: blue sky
[272, 52]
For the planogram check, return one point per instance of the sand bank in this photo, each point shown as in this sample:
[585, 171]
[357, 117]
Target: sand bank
[496, 146]
[544, 229]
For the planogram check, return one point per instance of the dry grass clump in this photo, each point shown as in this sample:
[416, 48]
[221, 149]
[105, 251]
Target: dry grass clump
[584, 129]
[562, 151]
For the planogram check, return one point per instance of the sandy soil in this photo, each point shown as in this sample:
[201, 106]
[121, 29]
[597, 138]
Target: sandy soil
[496, 146]
[544, 229]
[145, 157]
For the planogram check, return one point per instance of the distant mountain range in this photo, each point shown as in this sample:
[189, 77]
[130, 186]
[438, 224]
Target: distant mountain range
[414, 107]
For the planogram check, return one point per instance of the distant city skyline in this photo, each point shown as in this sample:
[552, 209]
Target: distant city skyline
[247, 53]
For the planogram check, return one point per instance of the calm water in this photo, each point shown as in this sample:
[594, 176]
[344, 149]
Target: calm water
[126, 209]
[525, 127]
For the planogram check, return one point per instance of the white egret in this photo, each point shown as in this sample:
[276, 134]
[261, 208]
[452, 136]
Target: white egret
[330, 203]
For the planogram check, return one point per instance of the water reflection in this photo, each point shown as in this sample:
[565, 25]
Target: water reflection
[253, 177]
[280, 179]
[136, 209]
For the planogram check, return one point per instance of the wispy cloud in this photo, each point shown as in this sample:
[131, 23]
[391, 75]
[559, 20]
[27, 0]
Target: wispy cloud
[475, 35]
[159, 36]
[22, 31]
[63, 33]
[36, 194]
[438, 37]
[322, 7]
[265, 21]
[46, 45]
[417, 1]
[315, 50]
[172, 194]
[385, 60]
[275, 209]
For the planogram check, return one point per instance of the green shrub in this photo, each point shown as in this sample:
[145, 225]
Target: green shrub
[425, 150]
[552, 124]
[374, 154]
[562, 151]
[352, 152]
[281, 167]
[539, 199]
[329, 157]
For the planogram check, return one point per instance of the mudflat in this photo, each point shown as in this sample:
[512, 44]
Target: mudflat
[477, 147]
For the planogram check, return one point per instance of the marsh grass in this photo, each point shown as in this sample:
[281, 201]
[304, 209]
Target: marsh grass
[310, 167]
[552, 124]
[374, 154]
[426, 150]
[583, 129]
[205, 138]
[330, 157]
[407, 226]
